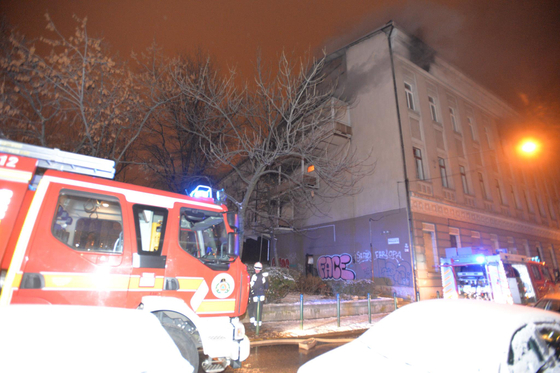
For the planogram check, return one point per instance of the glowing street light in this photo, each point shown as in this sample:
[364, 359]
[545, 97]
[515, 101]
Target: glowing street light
[529, 147]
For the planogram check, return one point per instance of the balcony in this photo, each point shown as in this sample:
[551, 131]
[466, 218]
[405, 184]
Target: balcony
[424, 188]
[505, 211]
[449, 195]
[489, 206]
[308, 181]
[470, 201]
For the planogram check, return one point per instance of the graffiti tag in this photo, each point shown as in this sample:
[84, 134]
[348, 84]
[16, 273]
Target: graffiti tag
[389, 254]
[400, 273]
[363, 256]
[334, 267]
[282, 262]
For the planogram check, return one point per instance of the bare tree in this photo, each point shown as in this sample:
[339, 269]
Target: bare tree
[75, 97]
[170, 152]
[278, 141]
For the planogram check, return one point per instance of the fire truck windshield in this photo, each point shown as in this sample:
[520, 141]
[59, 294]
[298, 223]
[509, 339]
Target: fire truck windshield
[203, 234]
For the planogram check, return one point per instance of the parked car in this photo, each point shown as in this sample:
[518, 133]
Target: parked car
[444, 335]
[52, 338]
[550, 302]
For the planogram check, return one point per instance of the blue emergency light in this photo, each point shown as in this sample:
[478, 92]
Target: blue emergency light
[201, 191]
[480, 259]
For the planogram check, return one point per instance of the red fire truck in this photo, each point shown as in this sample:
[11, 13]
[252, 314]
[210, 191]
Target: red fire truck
[70, 235]
[476, 273]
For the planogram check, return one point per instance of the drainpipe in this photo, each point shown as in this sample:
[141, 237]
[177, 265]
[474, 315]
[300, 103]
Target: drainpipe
[406, 182]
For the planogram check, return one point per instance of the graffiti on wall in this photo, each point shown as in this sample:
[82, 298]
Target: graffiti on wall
[334, 267]
[398, 273]
[389, 254]
[363, 256]
[282, 262]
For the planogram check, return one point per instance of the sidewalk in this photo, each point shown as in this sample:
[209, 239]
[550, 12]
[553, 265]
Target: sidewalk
[275, 330]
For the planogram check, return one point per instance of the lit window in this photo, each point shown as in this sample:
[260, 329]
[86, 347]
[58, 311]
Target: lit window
[409, 96]
[418, 161]
[433, 108]
[311, 168]
[443, 173]
[464, 179]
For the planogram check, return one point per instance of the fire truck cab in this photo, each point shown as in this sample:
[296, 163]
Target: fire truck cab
[475, 273]
[70, 235]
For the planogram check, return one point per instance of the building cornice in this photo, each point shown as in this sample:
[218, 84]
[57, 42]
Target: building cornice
[442, 210]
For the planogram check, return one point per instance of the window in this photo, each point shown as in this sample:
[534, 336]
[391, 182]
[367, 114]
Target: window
[464, 179]
[540, 203]
[499, 191]
[475, 238]
[482, 186]
[535, 271]
[150, 229]
[488, 137]
[470, 122]
[203, 234]
[528, 202]
[418, 162]
[551, 209]
[454, 121]
[443, 173]
[514, 196]
[430, 247]
[433, 108]
[409, 96]
[88, 222]
[495, 242]
[454, 237]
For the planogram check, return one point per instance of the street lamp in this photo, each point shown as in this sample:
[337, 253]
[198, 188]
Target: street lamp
[528, 147]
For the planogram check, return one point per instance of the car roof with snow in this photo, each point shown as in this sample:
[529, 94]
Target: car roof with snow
[440, 336]
[68, 338]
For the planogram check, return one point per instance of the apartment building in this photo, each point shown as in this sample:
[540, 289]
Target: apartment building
[444, 177]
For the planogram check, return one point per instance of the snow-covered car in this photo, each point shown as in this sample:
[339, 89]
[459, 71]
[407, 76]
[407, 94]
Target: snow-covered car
[52, 338]
[550, 302]
[451, 336]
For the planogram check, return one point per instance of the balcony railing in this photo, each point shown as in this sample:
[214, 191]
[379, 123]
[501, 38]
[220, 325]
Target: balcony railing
[470, 201]
[449, 195]
[424, 188]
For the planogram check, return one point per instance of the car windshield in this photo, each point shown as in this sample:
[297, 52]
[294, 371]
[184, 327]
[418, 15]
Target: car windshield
[203, 234]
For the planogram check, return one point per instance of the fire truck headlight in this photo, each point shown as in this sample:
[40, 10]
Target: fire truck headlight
[238, 329]
[3, 274]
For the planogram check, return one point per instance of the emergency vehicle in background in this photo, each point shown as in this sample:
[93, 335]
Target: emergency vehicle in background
[68, 235]
[475, 273]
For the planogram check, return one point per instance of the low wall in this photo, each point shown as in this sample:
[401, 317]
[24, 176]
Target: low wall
[324, 309]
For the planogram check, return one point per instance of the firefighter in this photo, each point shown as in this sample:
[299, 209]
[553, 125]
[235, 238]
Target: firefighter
[259, 286]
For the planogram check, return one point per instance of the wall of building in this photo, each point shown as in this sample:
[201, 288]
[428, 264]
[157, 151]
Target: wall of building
[351, 249]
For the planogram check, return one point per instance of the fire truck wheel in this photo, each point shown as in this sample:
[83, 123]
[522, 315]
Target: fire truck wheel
[185, 343]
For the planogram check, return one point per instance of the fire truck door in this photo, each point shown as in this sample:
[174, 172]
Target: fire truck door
[77, 250]
[15, 174]
[149, 260]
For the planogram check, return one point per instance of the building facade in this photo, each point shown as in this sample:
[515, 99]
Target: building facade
[443, 176]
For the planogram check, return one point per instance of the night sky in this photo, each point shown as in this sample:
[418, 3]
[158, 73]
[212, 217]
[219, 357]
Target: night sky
[511, 47]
